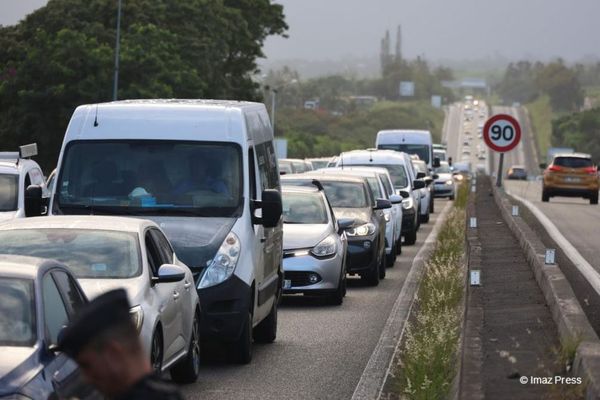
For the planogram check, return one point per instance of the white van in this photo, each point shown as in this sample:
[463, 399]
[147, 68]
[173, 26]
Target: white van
[206, 172]
[405, 181]
[417, 142]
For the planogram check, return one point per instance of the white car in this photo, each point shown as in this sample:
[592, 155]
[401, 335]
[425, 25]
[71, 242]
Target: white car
[427, 203]
[17, 172]
[106, 253]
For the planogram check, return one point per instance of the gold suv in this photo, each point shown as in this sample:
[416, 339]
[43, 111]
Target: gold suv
[571, 175]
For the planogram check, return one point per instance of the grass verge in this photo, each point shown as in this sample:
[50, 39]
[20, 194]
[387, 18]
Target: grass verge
[541, 115]
[427, 361]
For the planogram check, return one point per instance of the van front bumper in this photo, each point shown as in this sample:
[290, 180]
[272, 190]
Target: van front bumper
[223, 309]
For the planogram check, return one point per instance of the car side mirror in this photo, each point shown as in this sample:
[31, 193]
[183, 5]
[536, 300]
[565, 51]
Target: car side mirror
[345, 223]
[169, 273]
[418, 184]
[396, 199]
[543, 165]
[421, 175]
[428, 180]
[404, 194]
[271, 207]
[382, 204]
[436, 176]
[33, 201]
[282, 172]
[436, 162]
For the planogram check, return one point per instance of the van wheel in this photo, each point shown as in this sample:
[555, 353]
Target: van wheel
[242, 348]
[594, 198]
[411, 237]
[188, 369]
[545, 196]
[266, 330]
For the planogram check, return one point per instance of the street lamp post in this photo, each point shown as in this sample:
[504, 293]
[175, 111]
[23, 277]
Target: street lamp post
[117, 50]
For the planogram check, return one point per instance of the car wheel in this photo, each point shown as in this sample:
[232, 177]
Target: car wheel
[451, 198]
[242, 348]
[156, 353]
[424, 218]
[545, 196]
[399, 245]
[266, 330]
[390, 259]
[432, 206]
[188, 369]
[594, 198]
[371, 277]
[382, 265]
[337, 298]
[411, 237]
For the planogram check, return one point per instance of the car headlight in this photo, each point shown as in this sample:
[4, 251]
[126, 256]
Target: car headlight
[450, 182]
[327, 247]
[363, 230]
[407, 203]
[137, 316]
[223, 265]
[387, 217]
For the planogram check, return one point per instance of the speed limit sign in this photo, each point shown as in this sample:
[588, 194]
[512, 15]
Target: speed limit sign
[502, 133]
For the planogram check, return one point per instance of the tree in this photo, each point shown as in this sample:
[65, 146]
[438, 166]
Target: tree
[561, 84]
[61, 56]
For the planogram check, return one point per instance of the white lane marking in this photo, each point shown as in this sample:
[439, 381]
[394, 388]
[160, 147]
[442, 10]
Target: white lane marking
[371, 382]
[589, 273]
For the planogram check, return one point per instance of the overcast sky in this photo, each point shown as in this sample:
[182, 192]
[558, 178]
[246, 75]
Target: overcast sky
[439, 29]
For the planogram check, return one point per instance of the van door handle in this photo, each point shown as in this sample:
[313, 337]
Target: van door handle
[176, 295]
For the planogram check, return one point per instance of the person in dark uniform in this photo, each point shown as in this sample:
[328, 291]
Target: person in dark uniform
[104, 342]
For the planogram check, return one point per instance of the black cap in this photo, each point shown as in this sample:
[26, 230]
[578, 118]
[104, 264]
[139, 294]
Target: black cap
[106, 311]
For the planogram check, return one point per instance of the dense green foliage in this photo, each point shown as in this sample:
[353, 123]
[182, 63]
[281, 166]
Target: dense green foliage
[314, 133]
[540, 113]
[524, 82]
[62, 56]
[580, 131]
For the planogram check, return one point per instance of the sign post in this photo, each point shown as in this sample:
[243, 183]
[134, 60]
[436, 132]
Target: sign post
[501, 133]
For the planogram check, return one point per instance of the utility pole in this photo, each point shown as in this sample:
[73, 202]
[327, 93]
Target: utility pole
[117, 50]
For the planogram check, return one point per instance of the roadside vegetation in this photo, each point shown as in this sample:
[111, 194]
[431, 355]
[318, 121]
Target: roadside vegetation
[427, 361]
[541, 115]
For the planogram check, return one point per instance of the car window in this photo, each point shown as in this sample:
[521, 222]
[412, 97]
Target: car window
[72, 295]
[9, 191]
[304, 208]
[386, 183]
[396, 171]
[153, 254]
[17, 312]
[572, 162]
[55, 312]
[375, 188]
[87, 253]
[163, 246]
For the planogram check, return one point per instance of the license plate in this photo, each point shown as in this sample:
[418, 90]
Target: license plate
[570, 179]
[287, 283]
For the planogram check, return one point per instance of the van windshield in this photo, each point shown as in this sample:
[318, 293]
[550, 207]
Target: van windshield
[9, 184]
[151, 177]
[422, 150]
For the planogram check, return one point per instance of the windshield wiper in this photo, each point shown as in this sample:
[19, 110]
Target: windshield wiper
[96, 210]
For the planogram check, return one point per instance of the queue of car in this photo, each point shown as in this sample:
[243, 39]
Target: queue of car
[181, 203]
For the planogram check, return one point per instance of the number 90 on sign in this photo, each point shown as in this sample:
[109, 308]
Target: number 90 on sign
[502, 133]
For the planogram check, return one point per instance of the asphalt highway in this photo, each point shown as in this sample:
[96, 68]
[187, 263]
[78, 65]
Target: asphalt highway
[321, 350]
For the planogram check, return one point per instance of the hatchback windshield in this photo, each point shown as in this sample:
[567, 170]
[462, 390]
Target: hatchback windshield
[339, 194]
[304, 208]
[17, 312]
[9, 184]
[444, 168]
[572, 162]
[397, 173]
[422, 150]
[151, 177]
[87, 253]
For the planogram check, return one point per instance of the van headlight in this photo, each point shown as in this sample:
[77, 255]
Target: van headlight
[326, 247]
[223, 265]
[408, 203]
[363, 230]
[137, 316]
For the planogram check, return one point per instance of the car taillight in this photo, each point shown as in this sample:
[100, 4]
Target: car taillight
[590, 170]
[554, 168]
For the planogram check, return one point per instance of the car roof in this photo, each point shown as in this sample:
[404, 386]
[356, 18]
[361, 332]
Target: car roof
[8, 164]
[574, 155]
[16, 266]
[355, 172]
[374, 155]
[299, 189]
[91, 222]
[518, 166]
[323, 177]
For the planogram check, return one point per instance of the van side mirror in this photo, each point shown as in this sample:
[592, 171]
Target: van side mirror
[543, 166]
[169, 273]
[382, 204]
[33, 201]
[404, 194]
[436, 162]
[271, 207]
[418, 184]
[396, 199]
[421, 175]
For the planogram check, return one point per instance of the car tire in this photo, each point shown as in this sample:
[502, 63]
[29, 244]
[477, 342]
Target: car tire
[545, 196]
[399, 245]
[156, 352]
[188, 369]
[242, 348]
[432, 206]
[411, 237]
[266, 330]
[382, 266]
[424, 218]
[371, 277]
[594, 198]
[337, 298]
[451, 198]
[390, 259]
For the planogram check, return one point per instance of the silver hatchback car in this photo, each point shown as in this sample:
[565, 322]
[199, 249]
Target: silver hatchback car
[314, 245]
